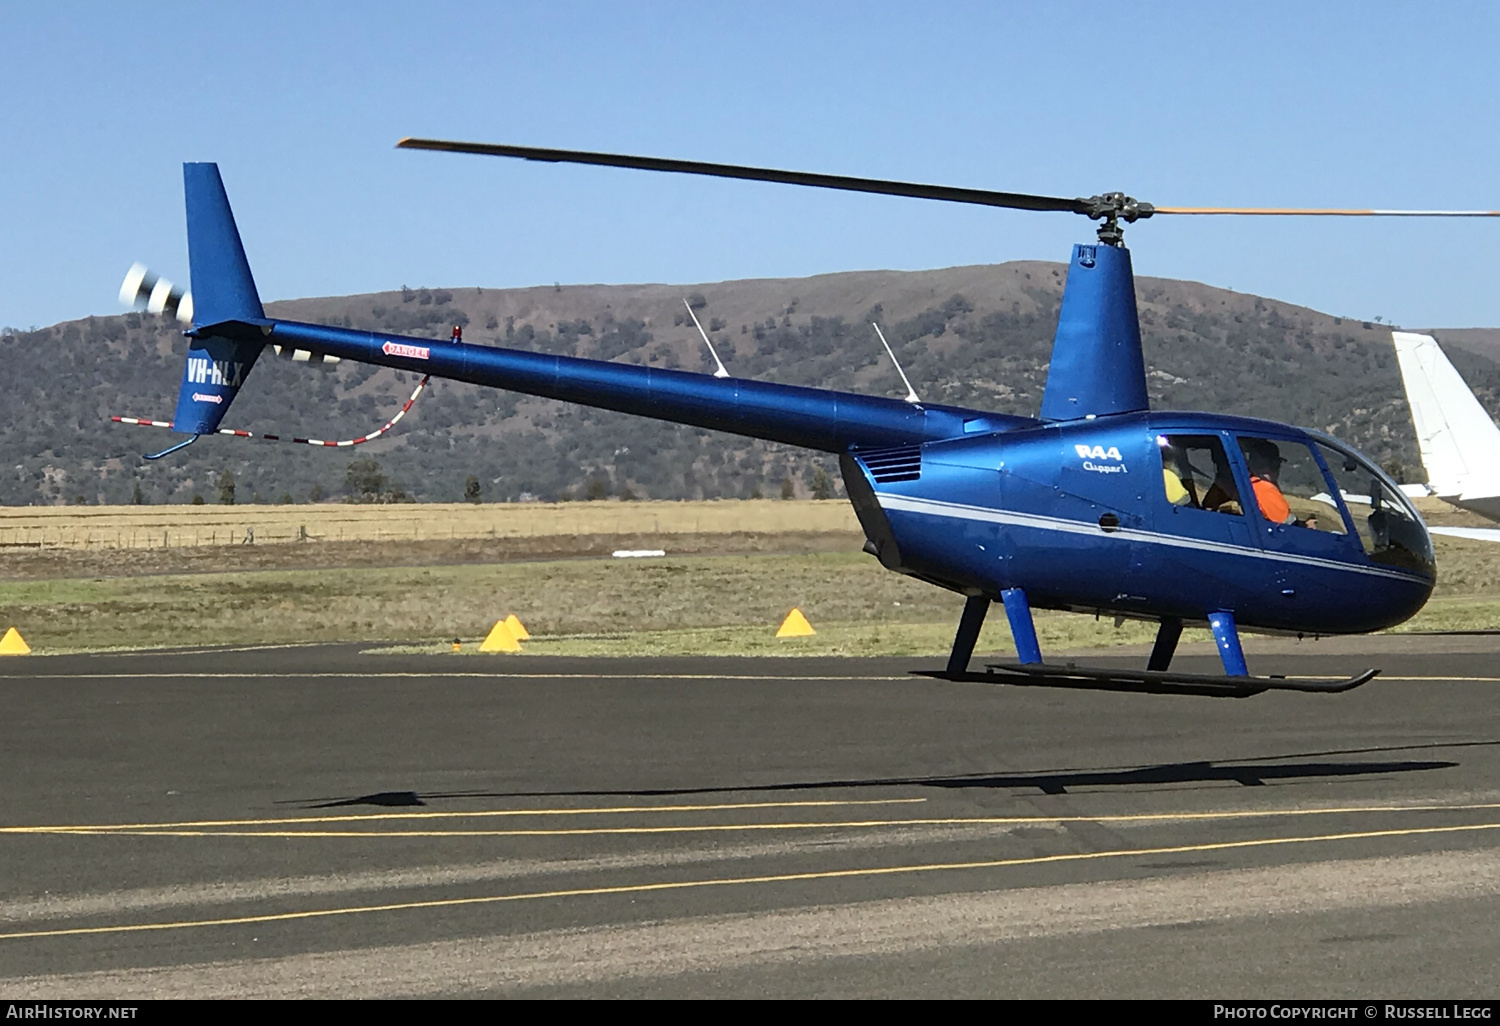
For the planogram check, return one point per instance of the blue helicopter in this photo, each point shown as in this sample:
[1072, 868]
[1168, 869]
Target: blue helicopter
[1099, 505]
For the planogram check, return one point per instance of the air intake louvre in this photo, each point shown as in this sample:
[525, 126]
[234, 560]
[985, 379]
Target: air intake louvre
[886, 466]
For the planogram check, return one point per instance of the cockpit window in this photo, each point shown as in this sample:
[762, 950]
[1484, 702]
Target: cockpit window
[1289, 485]
[1388, 525]
[1196, 473]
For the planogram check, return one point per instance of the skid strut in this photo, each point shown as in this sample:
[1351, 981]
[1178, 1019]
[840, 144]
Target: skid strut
[968, 633]
[1166, 643]
[1031, 671]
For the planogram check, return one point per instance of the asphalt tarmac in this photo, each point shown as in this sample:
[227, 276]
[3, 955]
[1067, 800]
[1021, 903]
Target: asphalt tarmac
[314, 821]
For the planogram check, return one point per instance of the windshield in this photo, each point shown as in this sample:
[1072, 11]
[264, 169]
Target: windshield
[1388, 524]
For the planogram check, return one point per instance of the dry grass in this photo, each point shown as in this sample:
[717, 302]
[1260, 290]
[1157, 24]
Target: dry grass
[435, 603]
[56, 564]
[148, 527]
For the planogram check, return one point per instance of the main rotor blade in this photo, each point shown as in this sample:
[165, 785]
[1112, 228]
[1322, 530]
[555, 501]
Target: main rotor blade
[1316, 212]
[982, 197]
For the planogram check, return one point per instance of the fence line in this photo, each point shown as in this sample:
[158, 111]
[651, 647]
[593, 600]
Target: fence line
[131, 527]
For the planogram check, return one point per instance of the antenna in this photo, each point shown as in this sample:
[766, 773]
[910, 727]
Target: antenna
[911, 393]
[721, 372]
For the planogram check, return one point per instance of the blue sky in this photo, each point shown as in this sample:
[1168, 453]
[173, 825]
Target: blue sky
[1270, 104]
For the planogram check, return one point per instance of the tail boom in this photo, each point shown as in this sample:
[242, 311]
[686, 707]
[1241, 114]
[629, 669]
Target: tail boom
[808, 417]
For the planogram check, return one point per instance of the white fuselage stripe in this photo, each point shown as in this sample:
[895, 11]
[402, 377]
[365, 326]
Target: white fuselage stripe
[935, 507]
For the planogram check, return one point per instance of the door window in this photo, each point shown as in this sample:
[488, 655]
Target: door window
[1196, 473]
[1289, 486]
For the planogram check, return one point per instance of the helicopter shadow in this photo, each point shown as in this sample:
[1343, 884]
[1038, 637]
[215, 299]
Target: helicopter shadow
[1253, 772]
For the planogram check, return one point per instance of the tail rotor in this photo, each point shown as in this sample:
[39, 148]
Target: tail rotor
[157, 294]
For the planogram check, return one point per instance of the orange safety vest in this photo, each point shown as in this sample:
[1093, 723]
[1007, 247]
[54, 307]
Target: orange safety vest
[1273, 505]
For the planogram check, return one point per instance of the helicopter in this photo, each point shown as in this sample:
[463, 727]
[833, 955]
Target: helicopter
[1098, 505]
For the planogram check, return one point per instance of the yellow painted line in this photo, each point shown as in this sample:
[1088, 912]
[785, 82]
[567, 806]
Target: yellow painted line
[209, 829]
[380, 816]
[682, 885]
[518, 676]
[1432, 680]
[705, 828]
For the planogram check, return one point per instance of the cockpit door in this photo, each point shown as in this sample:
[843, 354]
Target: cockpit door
[1200, 521]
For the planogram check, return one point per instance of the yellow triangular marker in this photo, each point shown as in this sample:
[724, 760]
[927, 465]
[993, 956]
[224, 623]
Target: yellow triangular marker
[13, 643]
[795, 626]
[500, 639]
[517, 629]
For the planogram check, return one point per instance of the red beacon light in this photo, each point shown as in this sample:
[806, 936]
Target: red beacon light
[458, 333]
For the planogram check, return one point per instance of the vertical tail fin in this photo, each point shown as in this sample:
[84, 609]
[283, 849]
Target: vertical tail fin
[223, 289]
[223, 294]
[1460, 444]
[1097, 367]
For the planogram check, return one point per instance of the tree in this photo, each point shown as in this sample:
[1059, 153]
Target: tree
[137, 497]
[316, 493]
[471, 489]
[363, 480]
[226, 488]
[788, 490]
[822, 488]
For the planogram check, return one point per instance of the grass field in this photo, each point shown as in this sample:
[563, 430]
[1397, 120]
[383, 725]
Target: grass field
[728, 604]
[419, 576]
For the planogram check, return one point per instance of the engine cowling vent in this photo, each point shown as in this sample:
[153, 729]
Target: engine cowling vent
[887, 466]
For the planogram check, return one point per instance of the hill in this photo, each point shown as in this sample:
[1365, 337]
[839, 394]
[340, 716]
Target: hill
[977, 336]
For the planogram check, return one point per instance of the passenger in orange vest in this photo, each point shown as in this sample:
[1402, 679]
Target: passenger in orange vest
[1265, 460]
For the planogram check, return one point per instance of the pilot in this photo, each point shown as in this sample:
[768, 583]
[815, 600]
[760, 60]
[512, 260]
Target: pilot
[1264, 459]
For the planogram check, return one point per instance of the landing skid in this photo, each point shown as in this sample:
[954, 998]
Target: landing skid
[1155, 682]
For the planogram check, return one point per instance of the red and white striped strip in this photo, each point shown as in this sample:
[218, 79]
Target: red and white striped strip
[299, 441]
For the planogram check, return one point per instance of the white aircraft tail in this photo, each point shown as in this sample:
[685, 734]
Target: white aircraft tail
[1460, 444]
